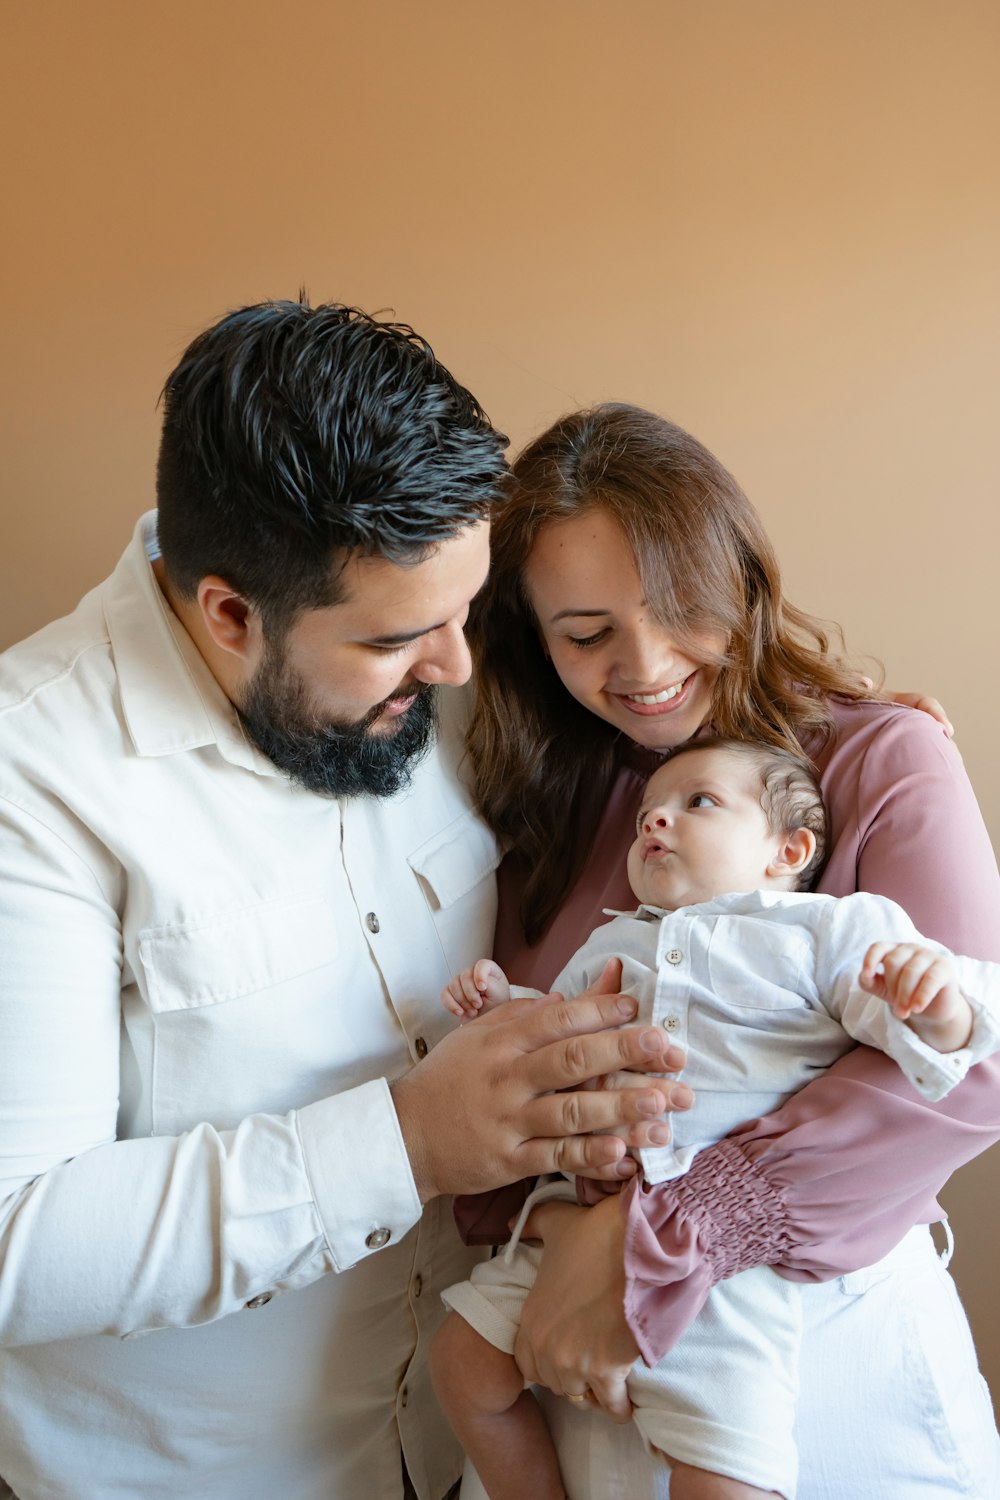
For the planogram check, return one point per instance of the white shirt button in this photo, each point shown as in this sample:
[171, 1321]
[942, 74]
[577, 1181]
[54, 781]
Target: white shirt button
[378, 1238]
[372, 922]
[674, 956]
[671, 1023]
[259, 1301]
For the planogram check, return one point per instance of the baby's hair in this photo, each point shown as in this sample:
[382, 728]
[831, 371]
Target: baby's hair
[789, 792]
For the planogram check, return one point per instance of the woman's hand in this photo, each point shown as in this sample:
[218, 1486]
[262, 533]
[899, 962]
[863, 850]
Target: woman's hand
[573, 1336]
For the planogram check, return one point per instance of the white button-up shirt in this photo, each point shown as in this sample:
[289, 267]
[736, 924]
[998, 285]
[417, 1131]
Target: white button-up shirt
[761, 990]
[208, 974]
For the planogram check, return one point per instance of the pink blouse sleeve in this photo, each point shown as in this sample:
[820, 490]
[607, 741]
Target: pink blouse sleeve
[833, 1179]
[906, 825]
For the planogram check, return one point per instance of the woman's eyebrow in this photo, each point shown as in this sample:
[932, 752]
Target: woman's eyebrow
[564, 614]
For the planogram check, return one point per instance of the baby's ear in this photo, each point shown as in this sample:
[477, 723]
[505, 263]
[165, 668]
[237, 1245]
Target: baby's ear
[794, 851]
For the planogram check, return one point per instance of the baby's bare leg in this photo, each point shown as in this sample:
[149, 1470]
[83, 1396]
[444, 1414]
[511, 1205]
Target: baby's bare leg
[687, 1483]
[499, 1423]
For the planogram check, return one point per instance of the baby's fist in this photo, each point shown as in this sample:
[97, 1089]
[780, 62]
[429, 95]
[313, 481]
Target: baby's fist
[476, 989]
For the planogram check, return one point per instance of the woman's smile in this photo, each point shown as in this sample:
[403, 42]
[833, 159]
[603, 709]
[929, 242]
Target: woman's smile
[663, 700]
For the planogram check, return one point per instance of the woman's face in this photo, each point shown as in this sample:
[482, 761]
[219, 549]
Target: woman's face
[611, 652]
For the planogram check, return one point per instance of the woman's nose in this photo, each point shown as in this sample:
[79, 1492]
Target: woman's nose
[649, 658]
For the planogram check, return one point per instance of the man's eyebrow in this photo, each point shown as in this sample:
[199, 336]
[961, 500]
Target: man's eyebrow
[402, 639]
[405, 636]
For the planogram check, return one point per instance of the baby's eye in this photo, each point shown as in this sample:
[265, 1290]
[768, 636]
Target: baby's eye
[702, 799]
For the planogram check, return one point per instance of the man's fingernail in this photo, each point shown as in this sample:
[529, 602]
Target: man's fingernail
[652, 1041]
[659, 1135]
[625, 1168]
[681, 1096]
[626, 1006]
[649, 1104]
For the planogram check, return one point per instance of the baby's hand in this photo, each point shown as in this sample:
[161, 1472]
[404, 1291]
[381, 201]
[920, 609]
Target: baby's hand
[918, 982]
[476, 990]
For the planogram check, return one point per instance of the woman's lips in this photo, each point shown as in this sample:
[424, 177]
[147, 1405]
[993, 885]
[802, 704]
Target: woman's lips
[666, 701]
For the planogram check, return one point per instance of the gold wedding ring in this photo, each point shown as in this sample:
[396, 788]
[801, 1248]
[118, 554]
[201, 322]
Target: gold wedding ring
[582, 1396]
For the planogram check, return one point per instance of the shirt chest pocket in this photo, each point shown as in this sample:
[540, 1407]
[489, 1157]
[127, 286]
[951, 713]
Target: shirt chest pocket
[757, 965]
[455, 871]
[243, 1013]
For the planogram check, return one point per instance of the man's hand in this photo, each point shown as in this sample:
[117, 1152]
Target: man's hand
[498, 1099]
[926, 705]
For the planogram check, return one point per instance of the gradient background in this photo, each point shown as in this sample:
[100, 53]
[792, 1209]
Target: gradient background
[777, 222]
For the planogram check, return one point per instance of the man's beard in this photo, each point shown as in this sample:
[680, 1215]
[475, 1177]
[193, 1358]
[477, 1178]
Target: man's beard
[336, 758]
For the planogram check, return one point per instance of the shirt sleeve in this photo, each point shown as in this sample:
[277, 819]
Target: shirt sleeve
[831, 1181]
[192, 1227]
[853, 923]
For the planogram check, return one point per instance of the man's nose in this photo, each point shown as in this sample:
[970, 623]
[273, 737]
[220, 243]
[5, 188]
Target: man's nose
[445, 658]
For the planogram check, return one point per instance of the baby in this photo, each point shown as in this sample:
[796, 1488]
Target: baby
[763, 984]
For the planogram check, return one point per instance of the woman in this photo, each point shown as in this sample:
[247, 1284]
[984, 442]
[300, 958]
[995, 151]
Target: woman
[634, 600]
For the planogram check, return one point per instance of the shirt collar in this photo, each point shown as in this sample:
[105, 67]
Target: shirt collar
[736, 902]
[170, 700]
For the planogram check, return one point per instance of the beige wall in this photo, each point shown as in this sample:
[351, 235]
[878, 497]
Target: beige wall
[776, 221]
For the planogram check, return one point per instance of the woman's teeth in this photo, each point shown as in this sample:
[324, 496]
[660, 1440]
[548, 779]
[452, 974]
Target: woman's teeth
[663, 697]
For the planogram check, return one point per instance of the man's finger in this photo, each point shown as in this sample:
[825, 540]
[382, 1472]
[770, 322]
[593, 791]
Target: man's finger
[579, 1112]
[599, 1156]
[569, 1063]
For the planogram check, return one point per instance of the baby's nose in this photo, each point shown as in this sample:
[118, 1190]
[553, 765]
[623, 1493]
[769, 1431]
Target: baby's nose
[654, 820]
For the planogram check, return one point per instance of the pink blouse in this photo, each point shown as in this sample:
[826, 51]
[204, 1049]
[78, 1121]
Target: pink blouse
[833, 1179]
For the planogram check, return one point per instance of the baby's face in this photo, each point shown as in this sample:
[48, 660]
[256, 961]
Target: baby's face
[701, 832]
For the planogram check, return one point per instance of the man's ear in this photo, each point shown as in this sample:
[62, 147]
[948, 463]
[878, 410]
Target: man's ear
[232, 623]
[794, 852]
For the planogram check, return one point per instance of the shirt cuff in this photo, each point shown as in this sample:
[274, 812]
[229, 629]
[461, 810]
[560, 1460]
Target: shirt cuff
[359, 1171]
[935, 1073]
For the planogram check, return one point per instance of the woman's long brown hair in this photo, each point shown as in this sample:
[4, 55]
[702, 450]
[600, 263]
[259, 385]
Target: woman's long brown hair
[544, 764]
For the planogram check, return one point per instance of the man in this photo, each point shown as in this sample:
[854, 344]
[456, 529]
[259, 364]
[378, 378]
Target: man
[238, 861]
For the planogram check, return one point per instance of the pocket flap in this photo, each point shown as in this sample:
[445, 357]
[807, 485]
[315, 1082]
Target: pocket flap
[191, 964]
[455, 860]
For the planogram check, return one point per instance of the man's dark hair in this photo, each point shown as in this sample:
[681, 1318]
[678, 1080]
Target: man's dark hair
[294, 436]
